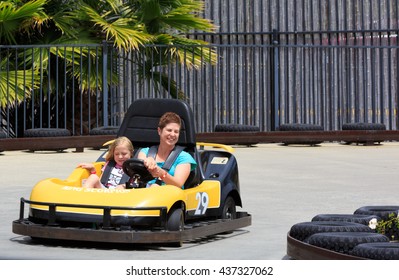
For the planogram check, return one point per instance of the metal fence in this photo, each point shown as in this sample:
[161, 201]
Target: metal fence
[54, 86]
[278, 61]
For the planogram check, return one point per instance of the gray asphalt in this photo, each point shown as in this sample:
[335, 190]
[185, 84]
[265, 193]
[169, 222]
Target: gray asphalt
[280, 186]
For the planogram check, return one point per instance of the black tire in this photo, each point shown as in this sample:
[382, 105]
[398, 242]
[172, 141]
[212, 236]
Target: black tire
[176, 220]
[302, 231]
[236, 128]
[2, 135]
[301, 127]
[47, 132]
[229, 211]
[363, 126]
[377, 251]
[351, 218]
[344, 242]
[105, 130]
[381, 211]
[176, 223]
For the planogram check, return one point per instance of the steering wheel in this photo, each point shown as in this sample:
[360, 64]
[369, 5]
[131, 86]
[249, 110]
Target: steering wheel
[135, 169]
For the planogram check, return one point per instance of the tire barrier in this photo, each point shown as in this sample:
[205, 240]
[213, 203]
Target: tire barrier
[2, 135]
[105, 130]
[364, 126]
[351, 218]
[47, 132]
[302, 231]
[301, 127]
[344, 242]
[348, 236]
[381, 211]
[377, 251]
[237, 128]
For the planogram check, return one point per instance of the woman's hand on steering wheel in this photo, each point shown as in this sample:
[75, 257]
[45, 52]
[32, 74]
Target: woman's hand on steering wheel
[152, 167]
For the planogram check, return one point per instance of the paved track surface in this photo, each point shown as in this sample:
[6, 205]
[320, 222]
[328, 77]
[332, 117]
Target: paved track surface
[280, 185]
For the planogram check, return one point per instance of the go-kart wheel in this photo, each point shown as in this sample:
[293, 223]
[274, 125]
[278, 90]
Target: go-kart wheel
[176, 223]
[176, 220]
[229, 209]
[134, 167]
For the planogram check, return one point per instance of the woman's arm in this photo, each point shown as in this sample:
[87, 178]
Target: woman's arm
[182, 171]
[181, 174]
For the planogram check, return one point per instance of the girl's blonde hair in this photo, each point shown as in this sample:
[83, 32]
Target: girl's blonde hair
[119, 141]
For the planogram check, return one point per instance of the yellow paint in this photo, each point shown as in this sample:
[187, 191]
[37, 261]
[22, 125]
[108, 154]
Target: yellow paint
[215, 145]
[70, 191]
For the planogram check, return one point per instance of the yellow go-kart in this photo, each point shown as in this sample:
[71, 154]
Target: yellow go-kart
[62, 209]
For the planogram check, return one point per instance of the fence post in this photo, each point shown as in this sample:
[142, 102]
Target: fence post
[275, 101]
[105, 83]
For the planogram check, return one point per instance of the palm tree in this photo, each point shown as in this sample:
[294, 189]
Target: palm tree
[169, 22]
[135, 27]
[16, 16]
[159, 27]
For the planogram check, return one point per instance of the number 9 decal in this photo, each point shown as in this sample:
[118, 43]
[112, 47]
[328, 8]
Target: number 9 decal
[203, 200]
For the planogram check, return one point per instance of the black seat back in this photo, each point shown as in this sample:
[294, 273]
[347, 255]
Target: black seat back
[140, 125]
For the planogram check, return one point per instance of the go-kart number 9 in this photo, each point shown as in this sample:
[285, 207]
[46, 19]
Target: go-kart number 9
[203, 200]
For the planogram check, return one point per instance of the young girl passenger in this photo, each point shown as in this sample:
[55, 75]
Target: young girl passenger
[119, 151]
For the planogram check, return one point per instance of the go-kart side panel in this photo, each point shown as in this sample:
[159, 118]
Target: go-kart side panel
[58, 191]
[219, 165]
[201, 199]
[222, 166]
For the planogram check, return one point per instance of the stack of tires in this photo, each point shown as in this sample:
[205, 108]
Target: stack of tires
[364, 126]
[238, 128]
[301, 127]
[104, 130]
[351, 234]
[49, 132]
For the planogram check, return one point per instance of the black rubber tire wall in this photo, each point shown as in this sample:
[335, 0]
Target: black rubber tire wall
[344, 242]
[301, 127]
[236, 128]
[46, 132]
[2, 135]
[377, 251]
[105, 130]
[351, 218]
[363, 126]
[380, 211]
[302, 231]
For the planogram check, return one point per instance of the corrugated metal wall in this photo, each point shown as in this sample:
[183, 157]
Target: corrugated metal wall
[297, 61]
[337, 60]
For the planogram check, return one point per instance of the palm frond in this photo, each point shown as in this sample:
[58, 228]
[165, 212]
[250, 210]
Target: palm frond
[126, 33]
[189, 52]
[14, 87]
[14, 18]
[184, 18]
